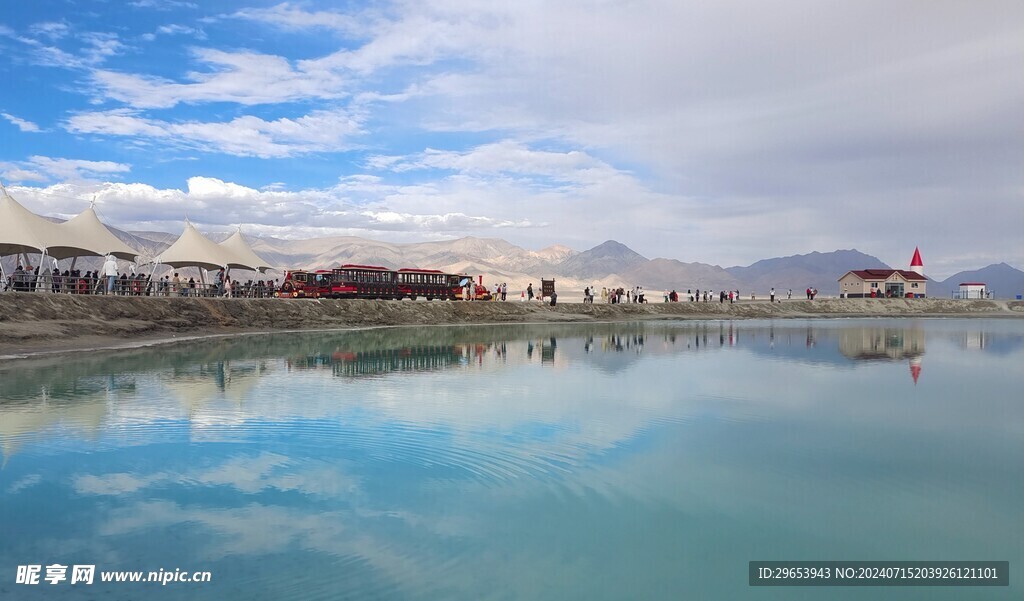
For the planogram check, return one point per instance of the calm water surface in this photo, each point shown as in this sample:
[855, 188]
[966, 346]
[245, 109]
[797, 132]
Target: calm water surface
[601, 461]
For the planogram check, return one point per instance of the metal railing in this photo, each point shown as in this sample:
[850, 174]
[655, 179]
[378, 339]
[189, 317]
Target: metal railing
[26, 282]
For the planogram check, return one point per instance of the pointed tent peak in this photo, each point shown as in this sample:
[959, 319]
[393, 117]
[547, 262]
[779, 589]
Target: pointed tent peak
[21, 230]
[193, 249]
[90, 234]
[916, 261]
[243, 255]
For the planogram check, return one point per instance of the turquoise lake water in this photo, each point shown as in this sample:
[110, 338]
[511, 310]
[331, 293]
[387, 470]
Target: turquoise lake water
[603, 461]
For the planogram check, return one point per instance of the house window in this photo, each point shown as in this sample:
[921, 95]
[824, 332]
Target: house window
[913, 284]
[874, 284]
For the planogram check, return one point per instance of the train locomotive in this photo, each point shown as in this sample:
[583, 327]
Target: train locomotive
[373, 282]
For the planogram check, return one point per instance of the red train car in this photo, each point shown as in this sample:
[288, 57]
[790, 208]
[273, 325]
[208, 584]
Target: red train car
[306, 284]
[375, 282]
[364, 281]
[428, 283]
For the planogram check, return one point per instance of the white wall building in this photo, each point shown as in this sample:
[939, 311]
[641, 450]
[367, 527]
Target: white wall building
[972, 290]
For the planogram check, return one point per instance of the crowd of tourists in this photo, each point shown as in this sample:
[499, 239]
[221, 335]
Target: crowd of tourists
[636, 295]
[108, 281]
[616, 296]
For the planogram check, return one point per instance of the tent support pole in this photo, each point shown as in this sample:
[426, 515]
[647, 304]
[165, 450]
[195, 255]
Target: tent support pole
[42, 270]
[149, 280]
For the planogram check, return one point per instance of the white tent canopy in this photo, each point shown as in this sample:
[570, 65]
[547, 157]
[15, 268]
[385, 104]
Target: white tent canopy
[244, 256]
[193, 249]
[85, 232]
[21, 230]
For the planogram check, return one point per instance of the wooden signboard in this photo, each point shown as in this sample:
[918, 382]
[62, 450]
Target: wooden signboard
[547, 288]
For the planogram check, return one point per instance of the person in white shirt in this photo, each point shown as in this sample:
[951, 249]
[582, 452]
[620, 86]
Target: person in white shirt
[110, 271]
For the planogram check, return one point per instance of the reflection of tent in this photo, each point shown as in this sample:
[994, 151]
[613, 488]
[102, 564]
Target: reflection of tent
[88, 237]
[193, 249]
[195, 391]
[244, 257]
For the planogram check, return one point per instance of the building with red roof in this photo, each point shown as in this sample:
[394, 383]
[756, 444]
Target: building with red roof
[886, 283]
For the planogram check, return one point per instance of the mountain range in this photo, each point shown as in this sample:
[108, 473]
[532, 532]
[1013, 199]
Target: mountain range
[610, 264]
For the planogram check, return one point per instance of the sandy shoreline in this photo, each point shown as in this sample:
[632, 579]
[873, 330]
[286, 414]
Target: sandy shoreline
[43, 324]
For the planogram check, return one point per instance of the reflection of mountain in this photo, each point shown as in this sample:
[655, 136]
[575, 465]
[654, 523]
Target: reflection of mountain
[218, 382]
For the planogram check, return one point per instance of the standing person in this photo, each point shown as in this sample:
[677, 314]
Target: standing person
[789, 295]
[771, 293]
[808, 293]
[110, 272]
[732, 299]
[18, 279]
[504, 290]
[640, 294]
[175, 284]
[529, 292]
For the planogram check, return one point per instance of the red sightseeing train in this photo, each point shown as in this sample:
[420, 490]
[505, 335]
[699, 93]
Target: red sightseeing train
[369, 281]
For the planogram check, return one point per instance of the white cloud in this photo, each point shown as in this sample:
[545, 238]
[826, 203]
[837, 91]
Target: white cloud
[507, 156]
[22, 124]
[42, 168]
[287, 16]
[17, 174]
[51, 29]
[114, 484]
[25, 482]
[162, 4]
[247, 78]
[346, 209]
[92, 48]
[319, 131]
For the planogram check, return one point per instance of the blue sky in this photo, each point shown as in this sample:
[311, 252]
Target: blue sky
[716, 132]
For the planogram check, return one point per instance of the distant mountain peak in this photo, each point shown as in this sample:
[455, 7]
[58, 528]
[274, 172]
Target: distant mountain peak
[613, 248]
[606, 258]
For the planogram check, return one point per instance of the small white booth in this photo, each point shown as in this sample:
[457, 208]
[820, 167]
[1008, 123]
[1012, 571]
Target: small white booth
[972, 290]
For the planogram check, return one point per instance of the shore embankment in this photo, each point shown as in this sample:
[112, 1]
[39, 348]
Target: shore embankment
[34, 323]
